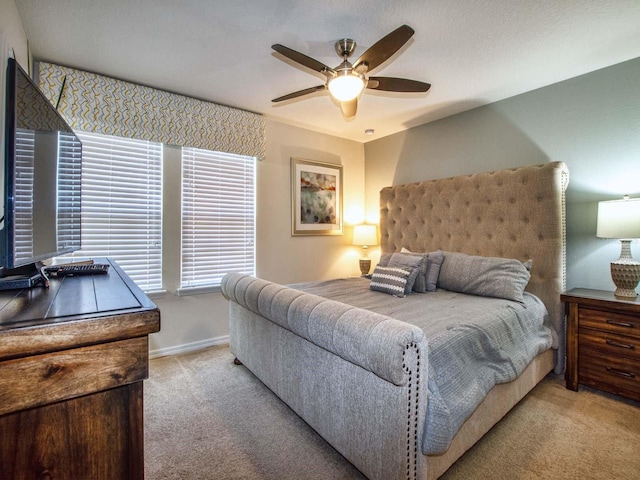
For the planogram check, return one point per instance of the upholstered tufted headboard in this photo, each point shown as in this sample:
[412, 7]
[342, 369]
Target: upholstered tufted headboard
[514, 213]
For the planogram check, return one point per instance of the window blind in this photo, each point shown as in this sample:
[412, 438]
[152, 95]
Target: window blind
[122, 205]
[23, 199]
[218, 216]
[69, 193]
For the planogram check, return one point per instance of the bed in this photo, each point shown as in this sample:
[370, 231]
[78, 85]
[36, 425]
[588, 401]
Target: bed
[364, 373]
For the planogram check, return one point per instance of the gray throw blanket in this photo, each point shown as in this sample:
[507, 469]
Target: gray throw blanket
[474, 343]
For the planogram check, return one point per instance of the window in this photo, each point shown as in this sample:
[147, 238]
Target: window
[122, 205]
[218, 217]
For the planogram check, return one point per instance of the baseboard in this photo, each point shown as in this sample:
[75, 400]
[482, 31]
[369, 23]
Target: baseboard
[188, 347]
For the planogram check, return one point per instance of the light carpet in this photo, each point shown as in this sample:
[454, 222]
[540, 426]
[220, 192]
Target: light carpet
[206, 419]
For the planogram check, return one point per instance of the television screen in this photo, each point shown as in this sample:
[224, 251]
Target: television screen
[42, 177]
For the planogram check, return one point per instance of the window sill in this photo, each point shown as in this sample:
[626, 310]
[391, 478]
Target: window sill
[183, 292]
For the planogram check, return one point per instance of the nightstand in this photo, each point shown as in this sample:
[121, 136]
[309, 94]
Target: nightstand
[603, 342]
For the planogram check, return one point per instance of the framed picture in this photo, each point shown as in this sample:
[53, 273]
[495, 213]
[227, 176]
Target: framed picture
[316, 198]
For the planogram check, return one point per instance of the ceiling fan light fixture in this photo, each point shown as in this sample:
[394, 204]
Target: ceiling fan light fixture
[346, 87]
[347, 81]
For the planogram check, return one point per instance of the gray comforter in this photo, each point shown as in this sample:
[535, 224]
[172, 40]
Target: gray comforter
[474, 343]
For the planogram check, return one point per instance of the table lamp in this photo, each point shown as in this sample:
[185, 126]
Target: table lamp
[365, 236]
[621, 219]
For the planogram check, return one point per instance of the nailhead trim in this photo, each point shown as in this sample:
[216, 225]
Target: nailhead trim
[413, 404]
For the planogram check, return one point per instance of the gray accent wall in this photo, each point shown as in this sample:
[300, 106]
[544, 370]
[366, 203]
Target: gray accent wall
[591, 122]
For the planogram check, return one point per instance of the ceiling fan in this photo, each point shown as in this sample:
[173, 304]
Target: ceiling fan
[346, 81]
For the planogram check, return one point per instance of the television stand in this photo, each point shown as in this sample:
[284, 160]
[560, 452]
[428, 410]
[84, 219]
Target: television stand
[27, 276]
[73, 358]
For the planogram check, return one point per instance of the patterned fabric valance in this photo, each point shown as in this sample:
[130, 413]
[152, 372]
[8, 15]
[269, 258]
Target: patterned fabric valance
[99, 104]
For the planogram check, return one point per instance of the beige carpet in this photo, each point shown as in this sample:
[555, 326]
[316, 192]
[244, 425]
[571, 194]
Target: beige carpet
[206, 419]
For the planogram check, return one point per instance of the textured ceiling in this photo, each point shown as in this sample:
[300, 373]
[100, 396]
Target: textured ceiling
[473, 52]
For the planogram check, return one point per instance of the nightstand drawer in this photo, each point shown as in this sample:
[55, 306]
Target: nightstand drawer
[610, 344]
[611, 322]
[616, 374]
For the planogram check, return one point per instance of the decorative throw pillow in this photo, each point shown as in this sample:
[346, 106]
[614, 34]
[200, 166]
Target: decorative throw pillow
[412, 263]
[430, 270]
[486, 276]
[390, 280]
[385, 261]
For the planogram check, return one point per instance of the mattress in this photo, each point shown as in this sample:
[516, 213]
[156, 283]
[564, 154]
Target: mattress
[474, 343]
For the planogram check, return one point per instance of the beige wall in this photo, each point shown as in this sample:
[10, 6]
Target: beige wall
[13, 39]
[286, 259]
[13, 43]
[591, 122]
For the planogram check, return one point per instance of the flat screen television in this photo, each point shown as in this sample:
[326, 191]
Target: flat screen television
[42, 179]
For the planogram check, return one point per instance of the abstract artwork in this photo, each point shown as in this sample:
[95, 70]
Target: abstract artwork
[316, 198]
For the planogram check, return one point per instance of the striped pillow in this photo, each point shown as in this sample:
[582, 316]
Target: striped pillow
[390, 280]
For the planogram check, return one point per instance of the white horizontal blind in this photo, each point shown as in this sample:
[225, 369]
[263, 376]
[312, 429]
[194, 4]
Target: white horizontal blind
[122, 205]
[218, 216]
[69, 191]
[23, 198]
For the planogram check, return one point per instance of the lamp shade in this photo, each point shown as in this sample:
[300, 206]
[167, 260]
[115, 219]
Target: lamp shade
[619, 219]
[365, 235]
[346, 87]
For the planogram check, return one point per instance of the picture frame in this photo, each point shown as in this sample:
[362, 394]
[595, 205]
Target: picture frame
[316, 198]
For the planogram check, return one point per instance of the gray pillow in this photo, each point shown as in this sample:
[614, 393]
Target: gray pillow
[384, 259]
[412, 263]
[389, 280]
[434, 264]
[486, 276]
[427, 279]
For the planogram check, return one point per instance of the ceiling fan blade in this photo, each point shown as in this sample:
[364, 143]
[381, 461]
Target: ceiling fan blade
[392, 84]
[349, 108]
[299, 93]
[302, 59]
[383, 49]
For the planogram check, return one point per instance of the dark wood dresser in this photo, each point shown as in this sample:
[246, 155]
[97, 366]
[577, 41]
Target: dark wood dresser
[72, 361]
[603, 342]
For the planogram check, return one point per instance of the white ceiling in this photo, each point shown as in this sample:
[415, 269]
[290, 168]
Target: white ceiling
[473, 52]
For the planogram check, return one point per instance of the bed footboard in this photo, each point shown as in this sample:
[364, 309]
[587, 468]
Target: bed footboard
[356, 377]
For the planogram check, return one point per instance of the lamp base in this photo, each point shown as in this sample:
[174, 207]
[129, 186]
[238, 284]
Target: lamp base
[626, 277]
[365, 265]
[625, 272]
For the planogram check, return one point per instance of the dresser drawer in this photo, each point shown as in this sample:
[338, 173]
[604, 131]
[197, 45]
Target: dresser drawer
[610, 343]
[619, 375]
[619, 323]
[42, 379]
